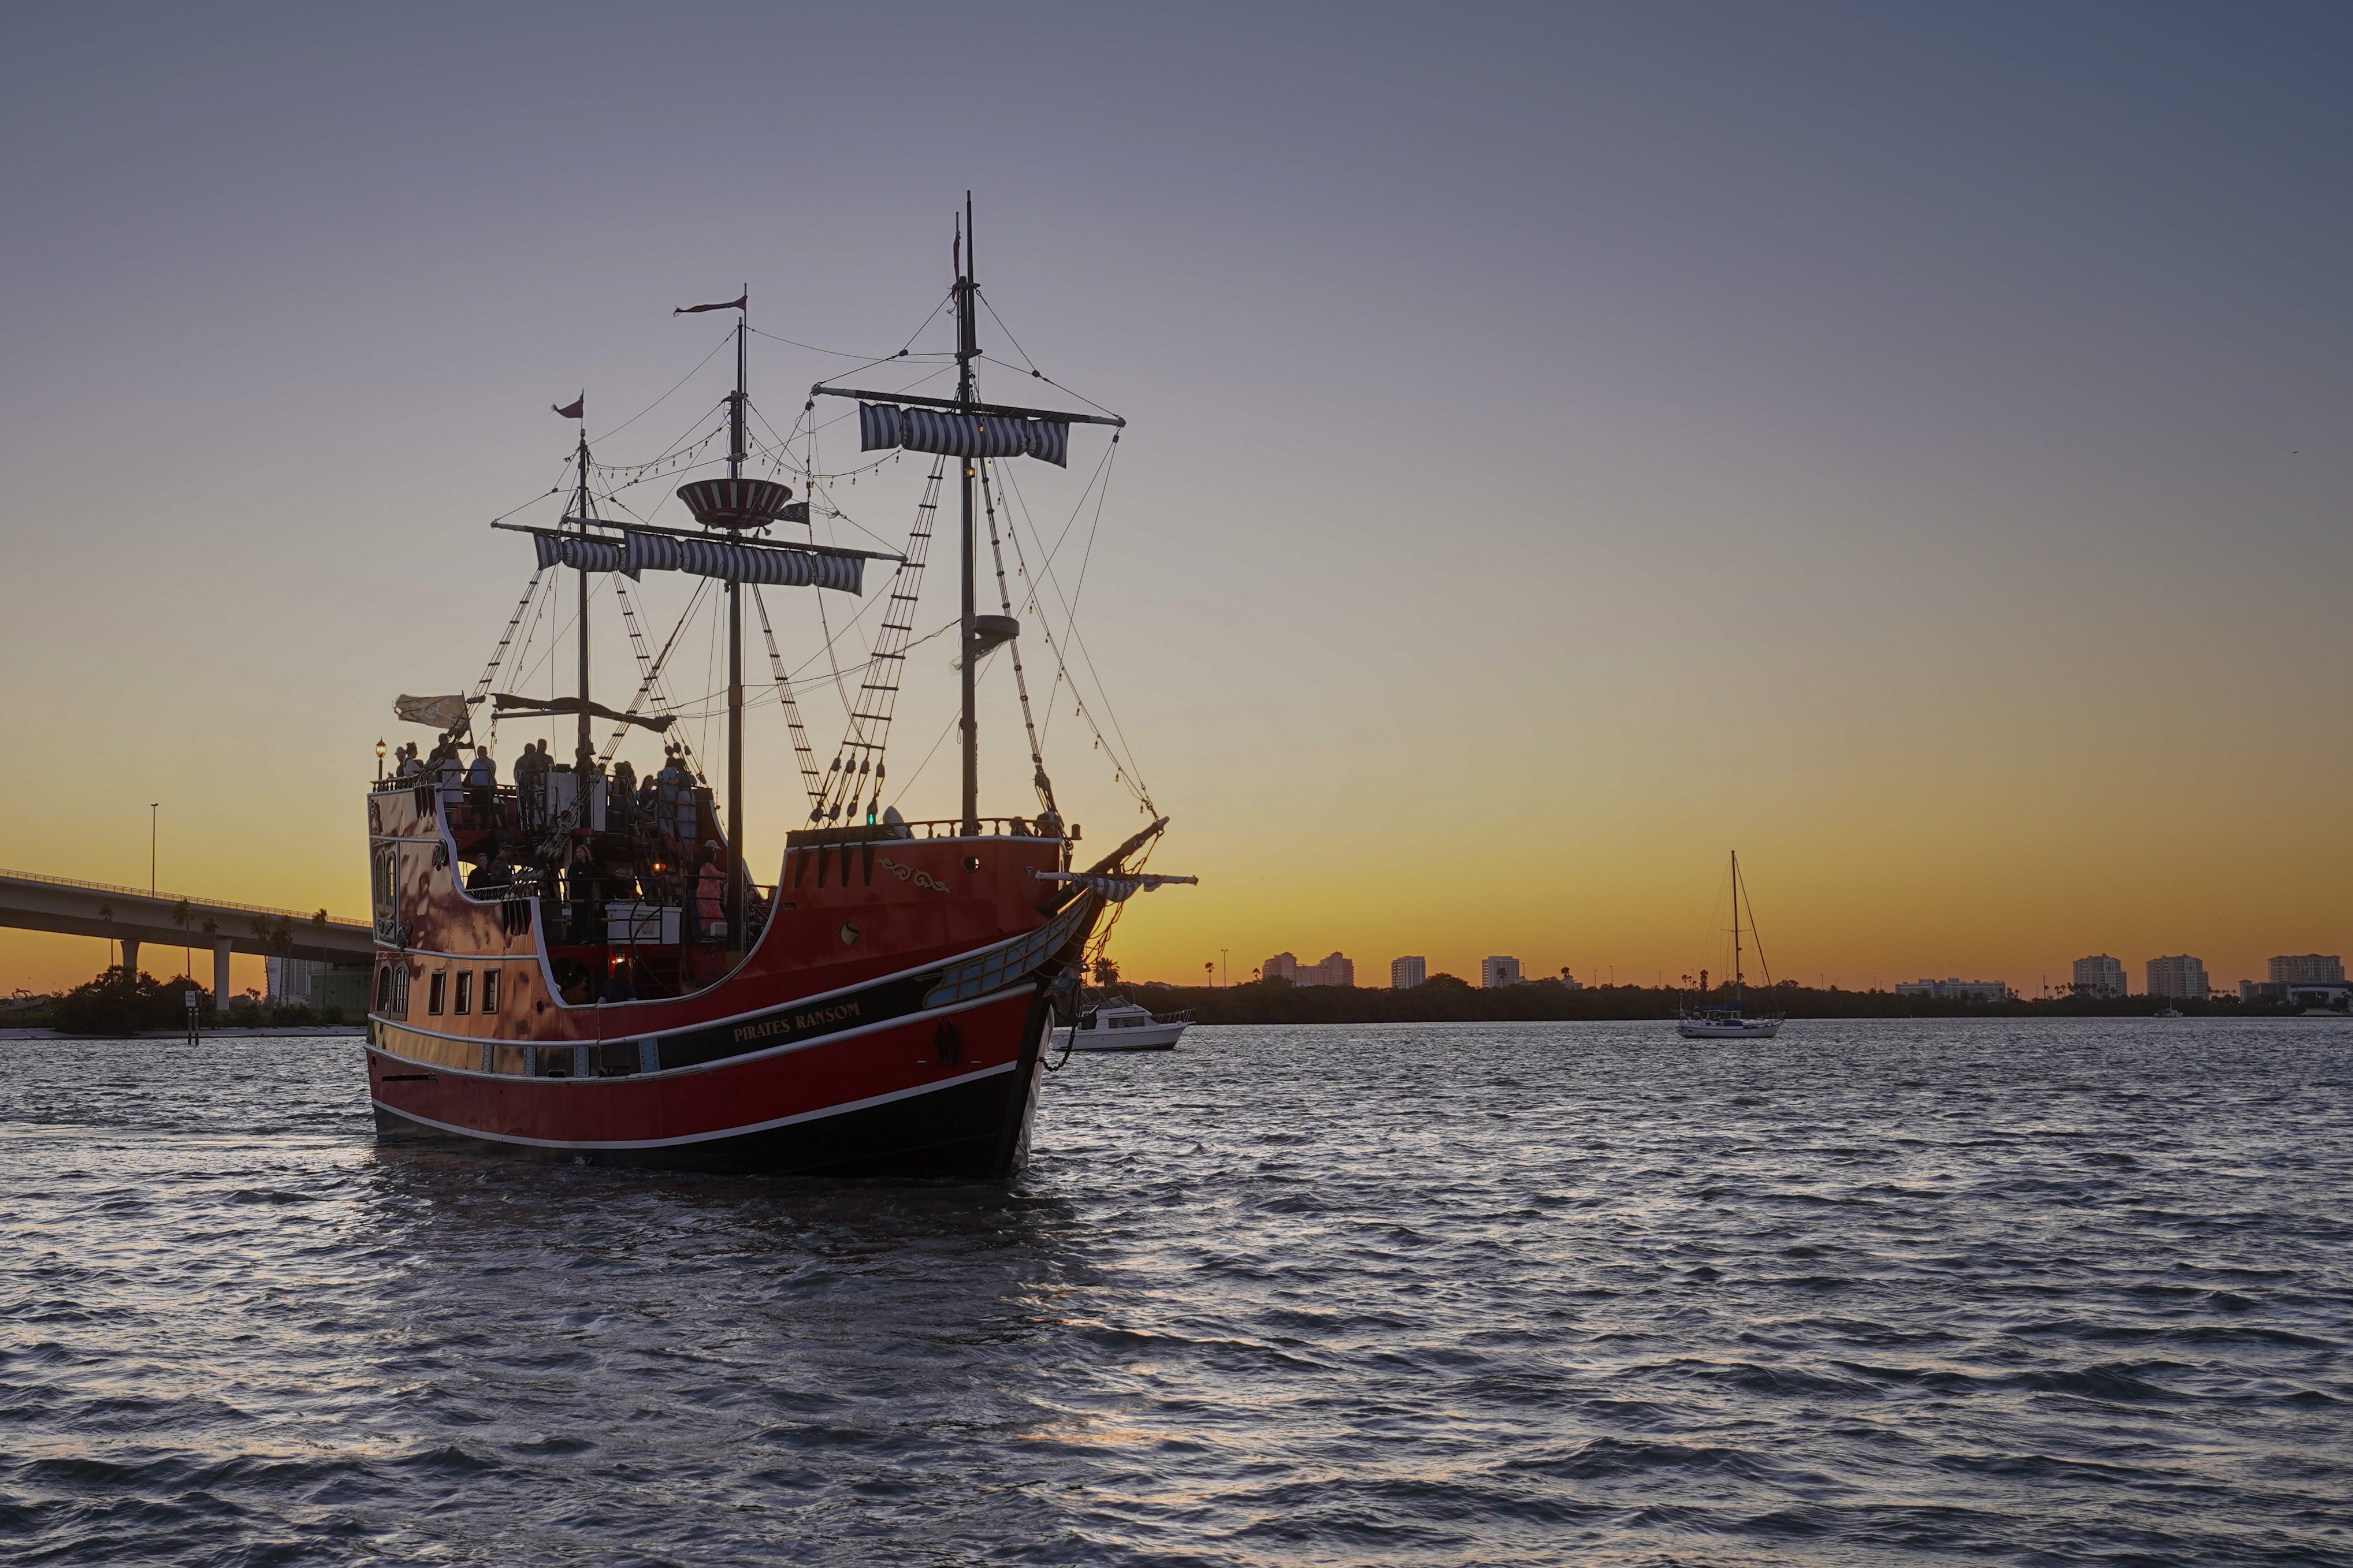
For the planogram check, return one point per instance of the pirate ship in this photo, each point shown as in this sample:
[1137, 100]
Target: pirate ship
[574, 964]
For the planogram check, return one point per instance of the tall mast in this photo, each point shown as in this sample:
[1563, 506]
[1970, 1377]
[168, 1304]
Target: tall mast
[583, 748]
[967, 350]
[735, 660]
[1736, 930]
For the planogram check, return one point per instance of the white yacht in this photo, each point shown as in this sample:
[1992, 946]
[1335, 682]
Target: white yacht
[1119, 1025]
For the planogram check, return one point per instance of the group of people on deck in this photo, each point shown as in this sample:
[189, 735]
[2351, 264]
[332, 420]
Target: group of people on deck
[675, 860]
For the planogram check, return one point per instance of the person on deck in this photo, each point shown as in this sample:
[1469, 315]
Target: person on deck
[526, 802]
[709, 895]
[409, 766]
[621, 797]
[482, 788]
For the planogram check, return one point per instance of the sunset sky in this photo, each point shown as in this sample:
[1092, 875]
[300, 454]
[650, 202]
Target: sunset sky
[1906, 445]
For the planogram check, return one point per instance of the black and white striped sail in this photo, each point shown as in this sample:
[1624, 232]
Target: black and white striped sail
[734, 563]
[882, 426]
[572, 550]
[724, 559]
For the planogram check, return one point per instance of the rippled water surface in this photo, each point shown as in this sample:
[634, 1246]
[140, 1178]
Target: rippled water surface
[2050, 1294]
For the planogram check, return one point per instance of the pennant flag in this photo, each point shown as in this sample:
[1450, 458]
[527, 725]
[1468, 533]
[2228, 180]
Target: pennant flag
[572, 409]
[735, 304]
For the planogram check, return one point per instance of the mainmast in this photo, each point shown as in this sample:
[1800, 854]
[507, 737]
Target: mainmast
[967, 350]
[1736, 930]
[734, 659]
[584, 750]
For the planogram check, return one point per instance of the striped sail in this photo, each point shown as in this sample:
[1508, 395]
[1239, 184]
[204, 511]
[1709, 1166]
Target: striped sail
[880, 425]
[734, 562]
[571, 550]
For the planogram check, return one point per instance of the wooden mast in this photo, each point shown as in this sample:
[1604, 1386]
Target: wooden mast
[736, 659]
[967, 350]
[584, 750]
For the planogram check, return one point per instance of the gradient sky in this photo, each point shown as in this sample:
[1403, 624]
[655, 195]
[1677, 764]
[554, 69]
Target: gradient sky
[1905, 444]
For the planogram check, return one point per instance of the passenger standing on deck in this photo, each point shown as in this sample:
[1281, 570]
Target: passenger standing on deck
[622, 801]
[709, 895]
[522, 788]
[482, 788]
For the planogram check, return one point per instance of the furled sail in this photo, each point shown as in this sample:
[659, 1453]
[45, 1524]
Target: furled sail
[881, 426]
[731, 561]
[571, 550]
[1116, 889]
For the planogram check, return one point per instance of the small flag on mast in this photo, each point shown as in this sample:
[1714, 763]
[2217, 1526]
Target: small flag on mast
[737, 303]
[572, 410]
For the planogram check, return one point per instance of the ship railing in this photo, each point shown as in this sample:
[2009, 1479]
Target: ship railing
[932, 827]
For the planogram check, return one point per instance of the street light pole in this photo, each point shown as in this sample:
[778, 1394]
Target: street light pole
[150, 847]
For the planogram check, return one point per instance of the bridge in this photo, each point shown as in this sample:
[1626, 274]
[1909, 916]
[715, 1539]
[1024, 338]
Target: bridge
[132, 916]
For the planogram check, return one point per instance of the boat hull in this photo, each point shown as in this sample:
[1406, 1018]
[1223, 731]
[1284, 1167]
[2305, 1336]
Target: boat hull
[1746, 1029]
[939, 1095]
[1151, 1037]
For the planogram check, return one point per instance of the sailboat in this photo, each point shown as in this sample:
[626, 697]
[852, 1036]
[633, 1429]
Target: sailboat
[571, 967]
[1730, 1023]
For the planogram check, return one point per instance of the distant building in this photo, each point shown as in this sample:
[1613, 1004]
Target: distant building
[1282, 966]
[1570, 982]
[1955, 990]
[1495, 973]
[2321, 995]
[1405, 973]
[2307, 968]
[288, 981]
[2177, 977]
[2099, 976]
[1338, 969]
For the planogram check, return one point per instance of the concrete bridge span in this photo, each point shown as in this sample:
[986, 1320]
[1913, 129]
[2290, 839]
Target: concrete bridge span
[133, 916]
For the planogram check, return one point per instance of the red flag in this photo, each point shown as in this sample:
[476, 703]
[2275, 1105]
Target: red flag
[734, 304]
[572, 409]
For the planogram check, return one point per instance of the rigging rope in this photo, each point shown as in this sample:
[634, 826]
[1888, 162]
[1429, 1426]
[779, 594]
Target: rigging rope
[810, 776]
[868, 729]
[1044, 786]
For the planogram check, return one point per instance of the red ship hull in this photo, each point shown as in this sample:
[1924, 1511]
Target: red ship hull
[881, 1025]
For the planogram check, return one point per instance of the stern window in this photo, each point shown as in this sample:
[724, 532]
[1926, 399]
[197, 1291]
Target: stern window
[465, 991]
[436, 993]
[489, 990]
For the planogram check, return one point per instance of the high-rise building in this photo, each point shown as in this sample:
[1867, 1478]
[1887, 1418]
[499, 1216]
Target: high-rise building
[1955, 990]
[288, 980]
[1498, 972]
[2099, 976]
[2306, 968]
[1405, 973]
[2178, 977]
[1282, 966]
[1338, 969]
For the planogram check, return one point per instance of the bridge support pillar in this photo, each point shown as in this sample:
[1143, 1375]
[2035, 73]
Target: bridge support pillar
[220, 970]
[130, 956]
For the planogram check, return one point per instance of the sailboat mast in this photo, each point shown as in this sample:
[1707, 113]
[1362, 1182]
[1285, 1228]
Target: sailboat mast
[967, 350]
[583, 748]
[735, 659]
[1736, 930]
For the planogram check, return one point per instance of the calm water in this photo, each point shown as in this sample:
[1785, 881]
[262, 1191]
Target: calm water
[1465, 1295]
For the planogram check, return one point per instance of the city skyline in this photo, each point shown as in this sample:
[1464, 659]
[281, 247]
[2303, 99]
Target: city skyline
[1953, 444]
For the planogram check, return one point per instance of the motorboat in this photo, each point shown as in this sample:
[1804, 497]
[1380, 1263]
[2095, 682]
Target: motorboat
[1119, 1025]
